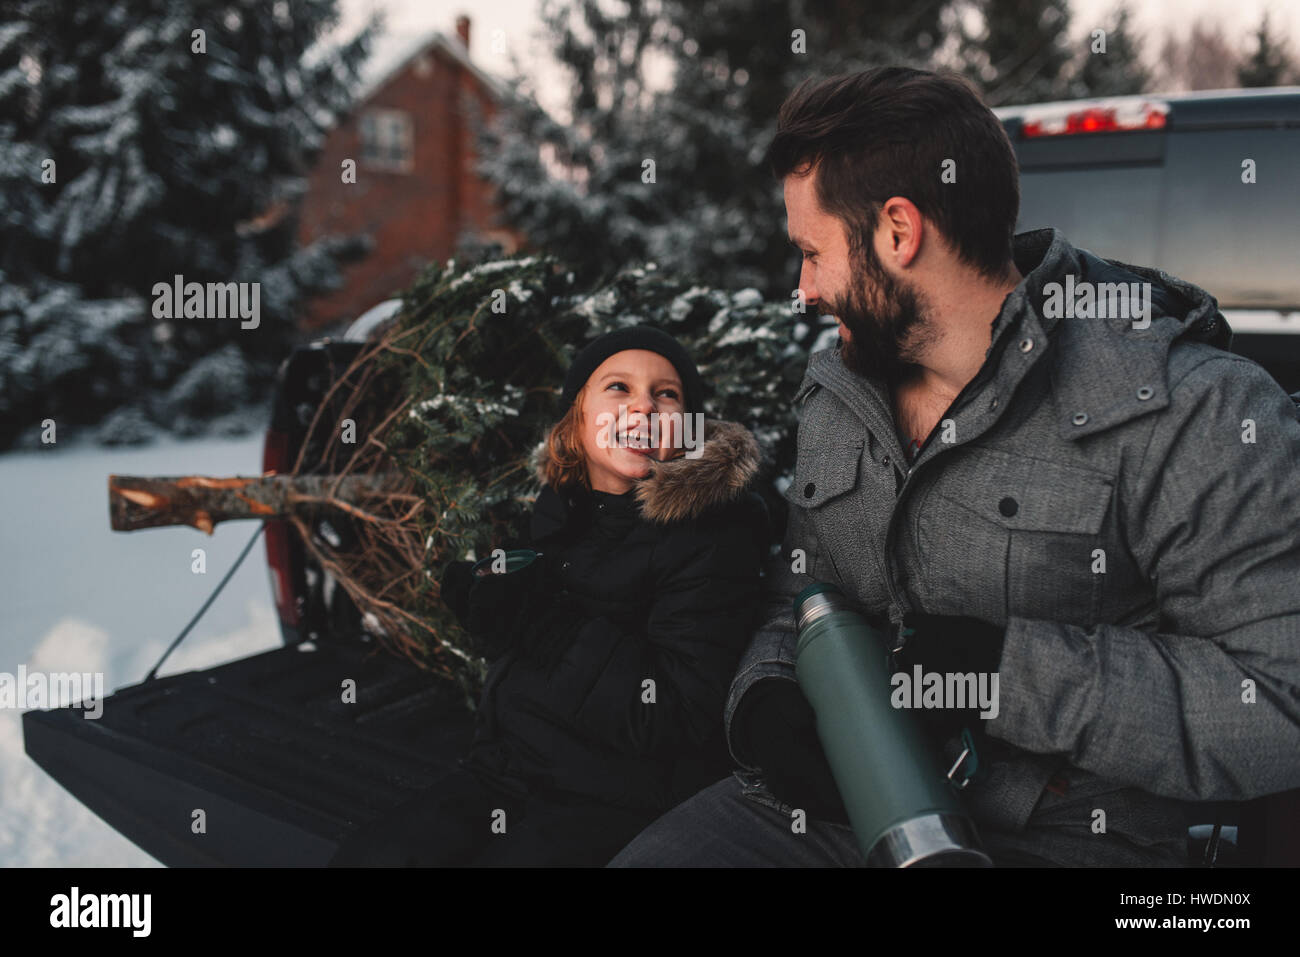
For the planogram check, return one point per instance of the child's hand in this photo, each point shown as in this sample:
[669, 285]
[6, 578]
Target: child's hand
[500, 605]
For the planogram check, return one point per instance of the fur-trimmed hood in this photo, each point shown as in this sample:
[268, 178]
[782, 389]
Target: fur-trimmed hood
[684, 488]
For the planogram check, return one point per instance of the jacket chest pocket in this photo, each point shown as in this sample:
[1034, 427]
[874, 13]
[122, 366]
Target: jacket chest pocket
[841, 532]
[1002, 535]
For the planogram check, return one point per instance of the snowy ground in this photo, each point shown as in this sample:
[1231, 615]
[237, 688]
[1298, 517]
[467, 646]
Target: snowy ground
[75, 596]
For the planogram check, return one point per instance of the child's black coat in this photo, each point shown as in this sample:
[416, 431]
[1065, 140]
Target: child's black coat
[667, 578]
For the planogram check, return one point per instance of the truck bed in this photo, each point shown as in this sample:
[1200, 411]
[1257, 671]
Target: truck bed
[265, 746]
[284, 770]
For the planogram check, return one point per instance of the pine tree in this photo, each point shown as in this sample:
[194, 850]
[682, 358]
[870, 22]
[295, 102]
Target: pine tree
[142, 139]
[1021, 53]
[1270, 63]
[1116, 70]
[674, 175]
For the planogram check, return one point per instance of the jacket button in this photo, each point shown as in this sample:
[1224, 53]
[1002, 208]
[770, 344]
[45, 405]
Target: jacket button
[810, 490]
[564, 564]
[1026, 345]
[1080, 418]
[1008, 506]
[885, 460]
[1146, 392]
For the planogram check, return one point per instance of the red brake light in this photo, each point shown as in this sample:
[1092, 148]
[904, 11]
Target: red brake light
[1110, 117]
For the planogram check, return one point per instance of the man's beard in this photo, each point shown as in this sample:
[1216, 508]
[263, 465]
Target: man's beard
[886, 320]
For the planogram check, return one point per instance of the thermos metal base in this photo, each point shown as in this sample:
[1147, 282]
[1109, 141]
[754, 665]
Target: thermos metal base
[931, 840]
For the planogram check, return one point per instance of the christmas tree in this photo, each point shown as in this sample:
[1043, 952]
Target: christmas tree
[424, 448]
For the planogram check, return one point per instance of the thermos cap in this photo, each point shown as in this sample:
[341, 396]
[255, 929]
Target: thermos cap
[816, 588]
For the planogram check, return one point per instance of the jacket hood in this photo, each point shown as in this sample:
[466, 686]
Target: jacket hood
[684, 488]
[1108, 370]
[1178, 308]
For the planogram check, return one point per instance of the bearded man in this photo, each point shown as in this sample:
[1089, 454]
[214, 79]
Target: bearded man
[1101, 509]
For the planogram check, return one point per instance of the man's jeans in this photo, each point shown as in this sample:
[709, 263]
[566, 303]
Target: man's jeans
[721, 827]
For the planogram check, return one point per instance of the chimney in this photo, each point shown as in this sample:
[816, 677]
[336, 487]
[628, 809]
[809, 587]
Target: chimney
[462, 30]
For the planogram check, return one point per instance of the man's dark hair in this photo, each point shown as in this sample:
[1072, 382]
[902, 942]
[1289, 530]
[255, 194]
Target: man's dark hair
[886, 132]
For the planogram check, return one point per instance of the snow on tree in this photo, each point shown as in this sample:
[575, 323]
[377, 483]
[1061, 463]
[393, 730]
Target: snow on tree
[642, 172]
[139, 140]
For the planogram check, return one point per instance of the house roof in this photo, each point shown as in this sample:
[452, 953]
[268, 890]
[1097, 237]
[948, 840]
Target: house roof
[435, 40]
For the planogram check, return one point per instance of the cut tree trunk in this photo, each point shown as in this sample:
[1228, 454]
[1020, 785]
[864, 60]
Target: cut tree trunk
[201, 501]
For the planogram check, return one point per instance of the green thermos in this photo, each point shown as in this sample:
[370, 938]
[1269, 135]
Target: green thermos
[903, 810]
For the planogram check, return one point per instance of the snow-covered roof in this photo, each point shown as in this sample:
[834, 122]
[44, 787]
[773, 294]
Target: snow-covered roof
[434, 39]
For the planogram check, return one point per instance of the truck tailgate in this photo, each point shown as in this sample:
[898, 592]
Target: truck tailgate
[265, 746]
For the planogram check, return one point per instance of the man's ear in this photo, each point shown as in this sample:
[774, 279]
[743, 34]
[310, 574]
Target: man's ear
[904, 227]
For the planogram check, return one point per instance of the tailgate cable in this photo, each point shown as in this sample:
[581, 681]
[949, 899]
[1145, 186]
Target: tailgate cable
[153, 672]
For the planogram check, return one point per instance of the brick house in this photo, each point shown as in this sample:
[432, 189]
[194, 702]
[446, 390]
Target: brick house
[412, 138]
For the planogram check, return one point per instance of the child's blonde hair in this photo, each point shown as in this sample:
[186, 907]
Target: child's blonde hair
[565, 461]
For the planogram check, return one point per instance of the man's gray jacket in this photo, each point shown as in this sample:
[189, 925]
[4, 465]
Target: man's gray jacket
[1125, 501]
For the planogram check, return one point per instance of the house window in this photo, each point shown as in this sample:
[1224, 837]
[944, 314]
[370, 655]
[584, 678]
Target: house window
[386, 139]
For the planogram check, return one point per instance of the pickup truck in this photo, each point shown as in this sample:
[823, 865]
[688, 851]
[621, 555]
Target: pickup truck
[1202, 185]
[283, 769]
[264, 746]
